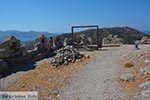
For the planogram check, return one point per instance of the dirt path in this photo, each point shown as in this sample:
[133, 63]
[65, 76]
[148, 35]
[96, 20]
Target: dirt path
[99, 80]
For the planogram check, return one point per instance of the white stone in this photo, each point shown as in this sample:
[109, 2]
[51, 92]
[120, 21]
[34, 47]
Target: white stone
[145, 70]
[127, 77]
[145, 85]
[147, 61]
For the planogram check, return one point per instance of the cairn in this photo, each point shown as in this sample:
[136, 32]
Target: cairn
[65, 55]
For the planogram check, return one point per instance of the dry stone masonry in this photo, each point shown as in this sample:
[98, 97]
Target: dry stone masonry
[145, 40]
[11, 53]
[112, 39]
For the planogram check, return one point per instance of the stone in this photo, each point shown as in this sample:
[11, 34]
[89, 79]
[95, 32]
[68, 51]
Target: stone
[9, 47]
[110, 39]
[3, 65]
[65, 42]
[39, 56]
[40, 43]
[146, 93]
[145, 70]
[147, 61]
[145, 40]
[127, 77]
[87, 56]
[54, 92]
[145, 85]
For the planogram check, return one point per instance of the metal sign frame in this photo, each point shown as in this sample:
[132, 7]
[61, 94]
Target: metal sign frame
[89, 26]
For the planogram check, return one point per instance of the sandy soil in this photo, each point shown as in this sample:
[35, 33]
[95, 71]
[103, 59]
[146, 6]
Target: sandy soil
[99, 80]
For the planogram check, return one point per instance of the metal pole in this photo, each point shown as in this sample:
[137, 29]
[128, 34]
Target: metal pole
[72, 36]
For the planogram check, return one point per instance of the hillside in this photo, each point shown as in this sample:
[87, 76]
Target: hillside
[128, 34]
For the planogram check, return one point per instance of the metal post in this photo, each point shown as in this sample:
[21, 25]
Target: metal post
[72, 36]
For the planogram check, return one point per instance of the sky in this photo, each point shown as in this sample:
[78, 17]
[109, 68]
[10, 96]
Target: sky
[59, 15]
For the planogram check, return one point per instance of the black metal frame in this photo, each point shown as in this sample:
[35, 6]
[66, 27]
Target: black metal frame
[90, 26]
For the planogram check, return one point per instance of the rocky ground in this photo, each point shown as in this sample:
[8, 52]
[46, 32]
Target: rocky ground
[95, 78]
[100, 80]
[137, 64]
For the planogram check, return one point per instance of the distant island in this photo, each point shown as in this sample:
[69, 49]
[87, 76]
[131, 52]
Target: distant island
[24, 36]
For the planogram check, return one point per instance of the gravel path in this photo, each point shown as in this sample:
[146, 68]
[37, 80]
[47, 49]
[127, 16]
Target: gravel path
[99, 80]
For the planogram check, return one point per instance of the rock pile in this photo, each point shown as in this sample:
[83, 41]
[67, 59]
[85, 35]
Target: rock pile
[65, 55]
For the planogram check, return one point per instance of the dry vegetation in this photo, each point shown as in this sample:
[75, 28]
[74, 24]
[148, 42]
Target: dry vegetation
[47, 78]
[128, 65]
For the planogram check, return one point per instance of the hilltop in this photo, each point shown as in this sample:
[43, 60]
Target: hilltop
[129, 35]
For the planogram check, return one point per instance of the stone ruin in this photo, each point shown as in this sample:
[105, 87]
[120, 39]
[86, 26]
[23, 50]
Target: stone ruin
[112, 39]
[11, 52]
[83, 40]
[40, 48]
[66, 55]
[145, 40]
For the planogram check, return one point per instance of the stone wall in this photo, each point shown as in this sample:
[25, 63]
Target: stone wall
[145, 40]
[12, 53]
[112, 39]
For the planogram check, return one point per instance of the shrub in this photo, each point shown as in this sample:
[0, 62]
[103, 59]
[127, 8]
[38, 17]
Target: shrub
[128, 65]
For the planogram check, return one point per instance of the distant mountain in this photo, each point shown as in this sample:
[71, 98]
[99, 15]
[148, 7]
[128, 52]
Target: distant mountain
[129, 35]
[24, 36]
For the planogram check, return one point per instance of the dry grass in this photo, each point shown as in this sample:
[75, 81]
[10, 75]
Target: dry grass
[128, 65]
[46, 77]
